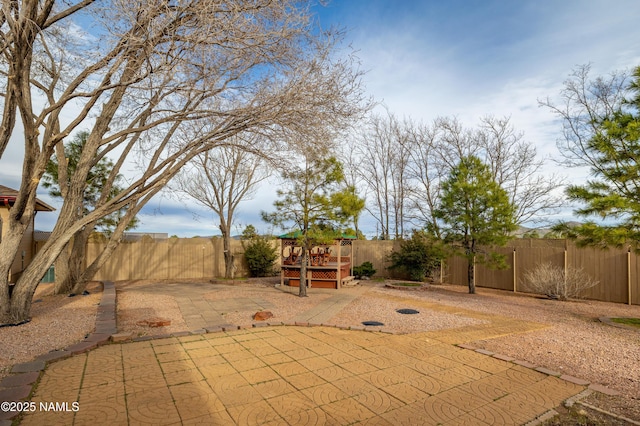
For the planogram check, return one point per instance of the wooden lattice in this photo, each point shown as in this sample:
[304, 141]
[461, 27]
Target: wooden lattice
[323, 275]
[292, 273]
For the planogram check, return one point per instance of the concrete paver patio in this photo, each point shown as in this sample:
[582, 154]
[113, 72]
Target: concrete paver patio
[298, 375]
[295, 376]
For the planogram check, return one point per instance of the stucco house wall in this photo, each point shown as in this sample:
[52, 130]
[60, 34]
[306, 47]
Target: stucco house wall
[27, 246]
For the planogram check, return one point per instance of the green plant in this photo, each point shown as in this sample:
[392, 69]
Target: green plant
[475, 213]
[259, 253]
[634, 322]
[364, 270]
[419, 256]
[552, 280]
[317, 202]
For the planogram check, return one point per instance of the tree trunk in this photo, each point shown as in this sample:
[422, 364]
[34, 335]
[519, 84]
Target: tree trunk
[25, 287]
[20, 304]
[113, 242]
[228, 256]
[73, 263]
[77, 260]
[303, 271]
[63, 272]
[18, 308]
[471, 275]
[89, 272]
[225, 230]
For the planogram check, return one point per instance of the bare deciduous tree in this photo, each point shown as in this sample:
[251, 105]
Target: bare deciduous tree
[426, 169]
[518, 169]
[353, 178]
[160, 82]
[384, 157]
[219, 180]
[514, 164]
[584, 102]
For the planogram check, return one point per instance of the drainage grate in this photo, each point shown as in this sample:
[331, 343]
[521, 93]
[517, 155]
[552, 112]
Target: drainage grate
[372, 323]
[407, 311]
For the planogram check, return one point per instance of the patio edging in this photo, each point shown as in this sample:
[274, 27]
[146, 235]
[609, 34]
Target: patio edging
[590, 387]
[18, 385]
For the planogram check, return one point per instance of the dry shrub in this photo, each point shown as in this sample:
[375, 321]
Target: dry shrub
[551, 280]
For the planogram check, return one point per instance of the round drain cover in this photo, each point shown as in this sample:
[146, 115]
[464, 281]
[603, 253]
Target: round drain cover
[407, 311]
[372, 323]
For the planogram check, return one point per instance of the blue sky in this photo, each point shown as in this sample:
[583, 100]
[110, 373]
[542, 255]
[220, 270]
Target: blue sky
[426, 59]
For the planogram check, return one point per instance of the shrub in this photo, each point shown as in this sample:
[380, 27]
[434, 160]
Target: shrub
[260, 254]
[552, 281]
[419, 256]
[364, 270]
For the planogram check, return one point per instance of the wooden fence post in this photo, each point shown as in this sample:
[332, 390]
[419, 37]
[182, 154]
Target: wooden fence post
[565, 267]
[515, 275]
[629, 276]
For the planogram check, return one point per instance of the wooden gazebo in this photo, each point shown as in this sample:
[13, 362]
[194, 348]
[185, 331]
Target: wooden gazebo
[328, 265]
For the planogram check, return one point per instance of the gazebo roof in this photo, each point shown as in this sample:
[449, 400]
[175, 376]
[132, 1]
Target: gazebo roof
[297, 234]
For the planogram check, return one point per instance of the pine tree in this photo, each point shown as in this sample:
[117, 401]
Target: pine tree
[317, 203]
[614, 192]
[475, 213]
[96, 180]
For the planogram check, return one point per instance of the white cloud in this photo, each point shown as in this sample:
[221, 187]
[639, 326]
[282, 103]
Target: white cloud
[427, 59]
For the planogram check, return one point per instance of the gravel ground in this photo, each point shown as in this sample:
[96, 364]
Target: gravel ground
[134, 307]
[372, 308]
[57, 322]
[575, 342]
[284, 306]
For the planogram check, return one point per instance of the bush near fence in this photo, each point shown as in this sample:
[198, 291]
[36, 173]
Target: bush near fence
[617, 270]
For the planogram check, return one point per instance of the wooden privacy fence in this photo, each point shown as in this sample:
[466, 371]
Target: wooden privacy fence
[617, 270]
[174, 258]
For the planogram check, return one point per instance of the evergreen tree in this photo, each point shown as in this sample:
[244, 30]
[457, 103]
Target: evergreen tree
[316, 202]
[614, 192]
[419, 256]
[259, 252]
[475, 213]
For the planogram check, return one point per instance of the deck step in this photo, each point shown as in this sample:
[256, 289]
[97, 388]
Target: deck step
[349, 281]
